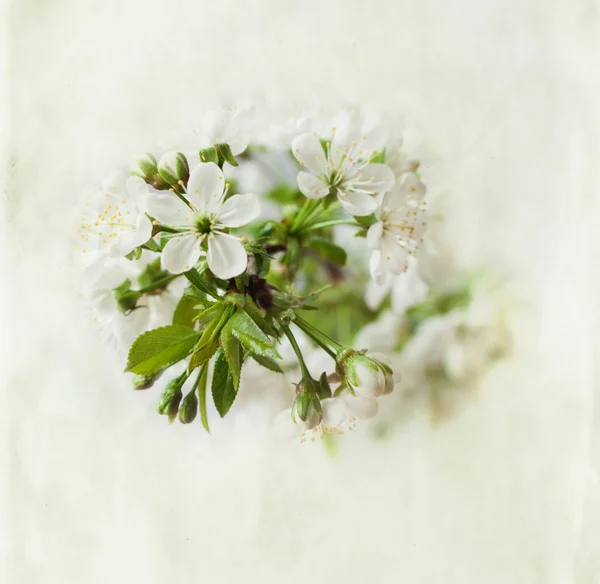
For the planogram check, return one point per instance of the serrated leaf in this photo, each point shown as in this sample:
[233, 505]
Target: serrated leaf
[202, 354]
[201, 282]
[185, 311]
[245, 330]
[267, 362]
[328, 250]
[232, 351]
[258, 316]
[223, 388]
[160, 348]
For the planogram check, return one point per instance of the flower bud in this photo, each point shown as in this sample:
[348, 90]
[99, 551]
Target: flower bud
[189, 408]
[173, 167]
[145, 167]
[145, 381]
[168, 404]
[307, 410]
[366, 376]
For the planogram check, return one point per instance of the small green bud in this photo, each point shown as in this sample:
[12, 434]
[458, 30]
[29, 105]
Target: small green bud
[168, 404]
[145, 381]
[173, 168]
[307, 406]
[189, 408]
[145, 167]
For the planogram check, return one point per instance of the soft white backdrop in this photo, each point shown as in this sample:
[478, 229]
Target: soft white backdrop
[503, 95]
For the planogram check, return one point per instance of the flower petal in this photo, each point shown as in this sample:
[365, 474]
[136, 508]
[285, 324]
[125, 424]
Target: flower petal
[227, 257]
[357, 204]
[373, 179]
[206, 187]
[214, 127]
[168, 209]
[309, 153]
[335, 412]
[238, 210]
[180, 254]
[137, 190]
[361, 408]
[374, 234]
[312, 186]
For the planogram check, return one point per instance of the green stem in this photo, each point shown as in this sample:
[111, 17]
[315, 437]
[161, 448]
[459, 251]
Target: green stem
[167, 229]
[158, 284]
[292, 339]
[324, 224]
[315, 333]
[309, 206]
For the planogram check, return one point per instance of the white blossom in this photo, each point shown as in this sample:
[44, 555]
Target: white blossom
[343, 166]
[113, 220]
[399, 227]
[208, 217]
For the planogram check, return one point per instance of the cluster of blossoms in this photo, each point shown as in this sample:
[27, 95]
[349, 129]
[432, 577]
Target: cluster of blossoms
[194, 266]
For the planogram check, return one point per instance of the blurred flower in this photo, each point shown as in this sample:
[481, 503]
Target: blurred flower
[230, 127]
[114, 220]
[399, 228]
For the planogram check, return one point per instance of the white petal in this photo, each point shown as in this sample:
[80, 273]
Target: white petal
[168, 209]
[357, 204]
[227, 257]
[361, 408]
[238, 210]
[308, 151]
[132, 238]
[312, 186]
[412, 186]
[373, 179]
[335, 412]
[137, 189]
[180, 254]
[215, 127]
[205, 187]
[375, 293]
[394, 255]
[114, 182]
[374, 234]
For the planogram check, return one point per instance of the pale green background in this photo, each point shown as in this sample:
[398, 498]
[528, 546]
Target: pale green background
[99, 489]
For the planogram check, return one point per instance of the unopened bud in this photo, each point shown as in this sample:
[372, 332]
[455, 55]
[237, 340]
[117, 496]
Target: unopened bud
[145, 167]
[365, 376]
[173, 167]
[168, 404]
[145, 381]
[307, 408]
[189, 408]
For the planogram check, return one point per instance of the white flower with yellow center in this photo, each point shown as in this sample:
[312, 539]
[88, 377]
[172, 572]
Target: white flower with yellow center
[114, 221]
[343, 166]
[399, 229]
[206, 218]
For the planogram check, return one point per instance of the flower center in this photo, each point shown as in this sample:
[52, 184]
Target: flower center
[203, 223]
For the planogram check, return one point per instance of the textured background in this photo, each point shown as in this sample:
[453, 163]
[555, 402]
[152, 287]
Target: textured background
[99, 489]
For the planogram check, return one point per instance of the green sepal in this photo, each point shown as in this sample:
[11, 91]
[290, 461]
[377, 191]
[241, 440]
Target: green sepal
[366, 220]
[202, 379]
[160, 348]
[209, 155]
[324, 387]
[225, 154]
[135, 254]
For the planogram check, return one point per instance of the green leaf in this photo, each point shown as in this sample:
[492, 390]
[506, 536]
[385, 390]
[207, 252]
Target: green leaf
[202, 378]
[328, 250]
[223, 388]
[244, 329]
[267, 362]
[185, 311]
[160, 348]
[202, 354]
[232, 351]
[258, 316]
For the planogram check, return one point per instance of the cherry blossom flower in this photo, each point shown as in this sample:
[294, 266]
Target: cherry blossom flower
[206, 219]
